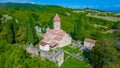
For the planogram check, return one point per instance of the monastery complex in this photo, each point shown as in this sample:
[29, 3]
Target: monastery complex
[55, 37]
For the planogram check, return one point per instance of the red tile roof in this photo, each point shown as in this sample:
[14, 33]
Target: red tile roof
[53, 37]
[58, 38]
[51, 31]
[56, 18]
[53, 44]
[90, 40]
[61, 33]
[43, 43]
[48, 39]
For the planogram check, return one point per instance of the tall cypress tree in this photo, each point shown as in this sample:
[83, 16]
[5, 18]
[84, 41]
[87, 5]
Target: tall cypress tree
[51, 23]
[75, 27]
[29, 31]
[79, 29]
[9, 30]
[14, 30]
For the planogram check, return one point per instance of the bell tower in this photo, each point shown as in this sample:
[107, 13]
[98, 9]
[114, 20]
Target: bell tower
[56, 21]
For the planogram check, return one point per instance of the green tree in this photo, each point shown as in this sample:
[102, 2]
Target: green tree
[79, 29]
[9, 30]
[12, 56]
[117, 26]
[3, 33]
[104, 54]
[21, 35]
[15, 28]
[51, 23]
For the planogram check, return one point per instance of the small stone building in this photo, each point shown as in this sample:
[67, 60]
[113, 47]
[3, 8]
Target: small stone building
[56, 57]
[89, 43]
[55, 37]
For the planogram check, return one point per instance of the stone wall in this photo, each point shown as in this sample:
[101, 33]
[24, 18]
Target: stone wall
[56, 57]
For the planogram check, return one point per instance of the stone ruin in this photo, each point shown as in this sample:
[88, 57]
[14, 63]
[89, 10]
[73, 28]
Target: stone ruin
[5, 18]
[56, 57]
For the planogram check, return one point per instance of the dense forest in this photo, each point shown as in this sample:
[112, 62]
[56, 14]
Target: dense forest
[17, 22]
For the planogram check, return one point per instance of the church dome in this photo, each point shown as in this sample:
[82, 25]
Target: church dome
[56, 18]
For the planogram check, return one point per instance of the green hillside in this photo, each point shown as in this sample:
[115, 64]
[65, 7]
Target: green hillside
[34, 7]
[17, 23]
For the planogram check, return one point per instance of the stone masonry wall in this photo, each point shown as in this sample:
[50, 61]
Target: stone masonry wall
[56, 57]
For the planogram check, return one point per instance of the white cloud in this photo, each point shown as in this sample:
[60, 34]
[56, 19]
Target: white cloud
[117, 5]
[106, 6]
[74, 6]
[84, 6]
[96, 6]
[87, 6]
[11, 0]
[24, 2]
[32, 2]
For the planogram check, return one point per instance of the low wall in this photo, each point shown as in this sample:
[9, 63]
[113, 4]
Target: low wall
[56, 57]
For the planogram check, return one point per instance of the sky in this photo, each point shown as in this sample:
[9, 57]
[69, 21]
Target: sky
[109, 5]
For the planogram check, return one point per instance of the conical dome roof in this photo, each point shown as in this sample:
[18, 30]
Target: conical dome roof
[56, 18]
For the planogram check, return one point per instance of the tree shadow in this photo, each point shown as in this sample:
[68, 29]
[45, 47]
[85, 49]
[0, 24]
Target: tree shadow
[73, 36]
[86, 54]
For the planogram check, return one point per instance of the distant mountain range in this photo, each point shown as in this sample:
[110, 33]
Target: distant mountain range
[36, 7]
[28, 6]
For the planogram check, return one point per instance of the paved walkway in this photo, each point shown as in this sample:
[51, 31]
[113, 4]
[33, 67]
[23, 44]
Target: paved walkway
[74, 55]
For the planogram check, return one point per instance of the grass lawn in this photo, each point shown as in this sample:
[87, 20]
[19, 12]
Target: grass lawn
[71, 50]
[73, 63]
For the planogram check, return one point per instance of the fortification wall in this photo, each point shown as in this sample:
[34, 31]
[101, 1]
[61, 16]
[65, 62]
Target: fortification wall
[56, 57]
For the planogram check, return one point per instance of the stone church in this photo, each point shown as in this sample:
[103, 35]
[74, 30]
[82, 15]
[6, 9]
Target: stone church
[55, 37]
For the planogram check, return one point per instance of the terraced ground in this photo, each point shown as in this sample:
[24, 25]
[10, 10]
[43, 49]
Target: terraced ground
[109, 18]
[74, 58]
